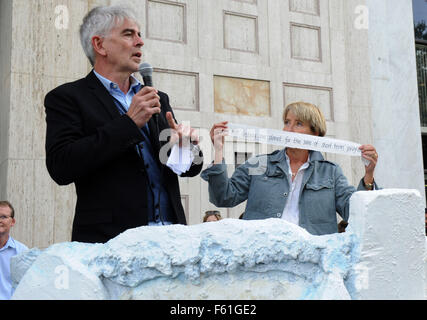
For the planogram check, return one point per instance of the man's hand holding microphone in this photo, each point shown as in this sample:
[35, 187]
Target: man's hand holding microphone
[144, 105]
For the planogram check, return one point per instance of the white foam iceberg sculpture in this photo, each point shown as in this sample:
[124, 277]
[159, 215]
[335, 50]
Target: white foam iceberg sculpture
[229, 259]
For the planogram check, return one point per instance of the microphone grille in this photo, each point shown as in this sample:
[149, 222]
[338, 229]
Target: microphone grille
[145, 69]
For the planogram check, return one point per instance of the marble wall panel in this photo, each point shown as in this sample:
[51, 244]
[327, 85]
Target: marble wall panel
[305, 42]
[321, 97]
[182, 88]
[46, 39]
[169, 29]
[240, 32]
[305, 6]
[235, 32]
[242, 96]
[166, 20]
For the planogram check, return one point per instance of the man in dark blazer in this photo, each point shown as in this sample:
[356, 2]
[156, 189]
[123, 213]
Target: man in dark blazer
[102, 136]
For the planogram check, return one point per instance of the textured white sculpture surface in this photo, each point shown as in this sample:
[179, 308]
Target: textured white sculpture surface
[239, 259]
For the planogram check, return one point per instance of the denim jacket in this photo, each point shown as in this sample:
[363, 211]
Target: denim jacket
[263, 181]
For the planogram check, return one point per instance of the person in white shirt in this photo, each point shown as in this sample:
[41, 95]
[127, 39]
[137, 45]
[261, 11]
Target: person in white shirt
[9, 247]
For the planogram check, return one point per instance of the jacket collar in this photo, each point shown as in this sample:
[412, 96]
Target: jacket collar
[107, 101]
[278, 159]
[102, 94]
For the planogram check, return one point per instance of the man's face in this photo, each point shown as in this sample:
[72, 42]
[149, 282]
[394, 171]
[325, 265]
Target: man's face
[6, 221]
[123, 47]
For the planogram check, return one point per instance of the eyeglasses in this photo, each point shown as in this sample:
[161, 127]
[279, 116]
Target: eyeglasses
[2, 218]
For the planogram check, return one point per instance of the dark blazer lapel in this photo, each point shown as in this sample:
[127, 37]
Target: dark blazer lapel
[102, 94]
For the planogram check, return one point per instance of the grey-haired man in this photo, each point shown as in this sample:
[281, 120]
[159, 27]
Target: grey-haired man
[102, 137]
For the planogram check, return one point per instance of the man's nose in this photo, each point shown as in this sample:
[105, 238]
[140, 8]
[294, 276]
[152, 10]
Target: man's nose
[139, 41]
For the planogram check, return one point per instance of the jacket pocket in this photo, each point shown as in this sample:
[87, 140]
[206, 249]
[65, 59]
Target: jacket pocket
[274, 172]
[319, 202]
[319, 185]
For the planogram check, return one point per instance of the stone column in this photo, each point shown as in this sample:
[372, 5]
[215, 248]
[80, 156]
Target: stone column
[395, 106]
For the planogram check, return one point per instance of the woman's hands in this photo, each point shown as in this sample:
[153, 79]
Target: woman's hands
[217, 133]
[369, 153]
[144, 105]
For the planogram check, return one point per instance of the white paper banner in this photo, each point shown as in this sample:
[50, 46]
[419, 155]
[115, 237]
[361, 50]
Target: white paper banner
[294, 140]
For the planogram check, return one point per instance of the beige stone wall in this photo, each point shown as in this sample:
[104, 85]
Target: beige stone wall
[44, 53]
[302, 49]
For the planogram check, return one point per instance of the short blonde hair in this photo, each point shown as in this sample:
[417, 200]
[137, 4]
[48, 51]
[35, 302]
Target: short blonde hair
[310, 113]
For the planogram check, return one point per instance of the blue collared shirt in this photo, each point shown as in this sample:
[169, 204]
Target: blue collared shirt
[114, 90]
[145, 150]
[10, 249]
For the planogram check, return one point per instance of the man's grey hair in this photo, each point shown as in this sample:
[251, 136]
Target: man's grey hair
[99, 22]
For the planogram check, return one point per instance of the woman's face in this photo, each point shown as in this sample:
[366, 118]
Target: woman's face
[293, 124]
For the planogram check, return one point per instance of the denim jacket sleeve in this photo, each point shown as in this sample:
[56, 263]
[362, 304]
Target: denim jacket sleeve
[343, 193]
[224, 191]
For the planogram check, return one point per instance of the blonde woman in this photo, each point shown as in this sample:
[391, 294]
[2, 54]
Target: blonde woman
[297, 185]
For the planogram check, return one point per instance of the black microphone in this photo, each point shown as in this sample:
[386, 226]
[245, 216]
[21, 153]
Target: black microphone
[146, 72]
